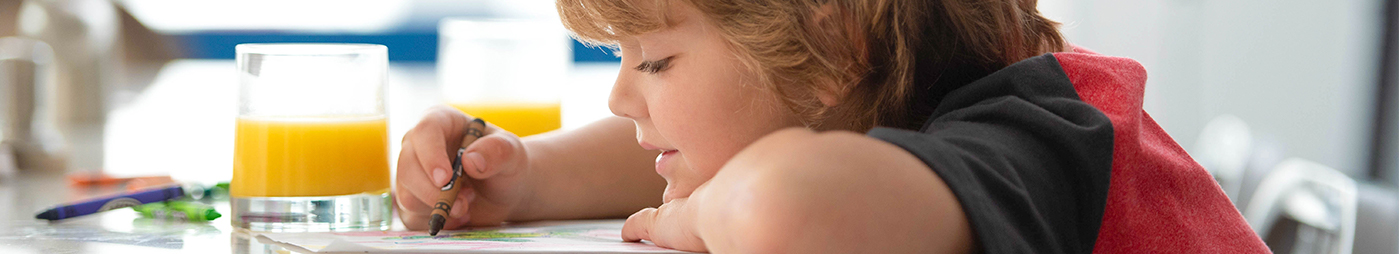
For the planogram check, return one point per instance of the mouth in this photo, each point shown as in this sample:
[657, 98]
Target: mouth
[662, 167]
[663, 159]
[649, 146]
[664, 162]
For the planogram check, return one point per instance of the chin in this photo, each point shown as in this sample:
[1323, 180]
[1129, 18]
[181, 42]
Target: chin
[671, 194]
[666, 196]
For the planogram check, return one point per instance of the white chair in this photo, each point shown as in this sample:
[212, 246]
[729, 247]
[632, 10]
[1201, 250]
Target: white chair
[1320, 199]
[1223, 149]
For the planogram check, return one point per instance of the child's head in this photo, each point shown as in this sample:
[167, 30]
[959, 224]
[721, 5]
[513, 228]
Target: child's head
[706, 78]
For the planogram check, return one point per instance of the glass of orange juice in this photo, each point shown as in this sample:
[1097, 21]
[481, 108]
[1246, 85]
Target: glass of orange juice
[311, 146]
[506, 71]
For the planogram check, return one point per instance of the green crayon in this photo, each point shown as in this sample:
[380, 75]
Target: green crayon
[178, 210]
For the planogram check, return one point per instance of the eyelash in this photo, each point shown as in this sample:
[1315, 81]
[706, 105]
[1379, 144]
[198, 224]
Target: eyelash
[655, 66]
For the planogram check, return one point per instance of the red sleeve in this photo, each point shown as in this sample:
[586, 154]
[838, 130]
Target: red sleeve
[1159, 199]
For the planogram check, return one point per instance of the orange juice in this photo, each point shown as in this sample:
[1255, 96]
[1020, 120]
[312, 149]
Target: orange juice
[523, 119]
[297, 157]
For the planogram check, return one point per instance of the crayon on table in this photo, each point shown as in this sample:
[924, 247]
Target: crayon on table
[113, 202]
[146, 183]
[85, 178]
[475, 129]
[178, 210]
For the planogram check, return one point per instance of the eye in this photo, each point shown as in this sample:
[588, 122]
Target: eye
[654, 67]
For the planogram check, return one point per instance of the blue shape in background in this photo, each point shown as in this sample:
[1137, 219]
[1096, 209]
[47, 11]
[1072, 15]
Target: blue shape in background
[584, 53]
[412, 47]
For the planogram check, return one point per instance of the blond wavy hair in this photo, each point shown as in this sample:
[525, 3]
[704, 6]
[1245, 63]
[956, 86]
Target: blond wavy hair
[878, 54]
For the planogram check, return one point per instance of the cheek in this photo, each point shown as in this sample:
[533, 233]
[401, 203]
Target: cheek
[699, 126]
[711, 120]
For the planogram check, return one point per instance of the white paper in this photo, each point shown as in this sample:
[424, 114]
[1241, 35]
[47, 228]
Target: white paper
[603, 236]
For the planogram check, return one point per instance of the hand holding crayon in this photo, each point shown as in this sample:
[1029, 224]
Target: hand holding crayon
[443, 208]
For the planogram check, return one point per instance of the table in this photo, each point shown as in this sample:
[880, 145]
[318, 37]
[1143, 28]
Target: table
[182, 125]
[121, 231]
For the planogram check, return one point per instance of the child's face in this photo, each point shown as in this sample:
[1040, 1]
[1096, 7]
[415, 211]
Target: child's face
[700, 107]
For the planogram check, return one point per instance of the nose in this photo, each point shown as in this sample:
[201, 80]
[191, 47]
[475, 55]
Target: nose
[625, 99]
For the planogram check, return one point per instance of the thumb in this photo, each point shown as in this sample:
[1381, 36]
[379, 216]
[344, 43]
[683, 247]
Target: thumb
[496, 153]
[638, 226]
[672, 226]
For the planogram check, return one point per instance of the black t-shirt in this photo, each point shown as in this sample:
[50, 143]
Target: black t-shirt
[1027, 159]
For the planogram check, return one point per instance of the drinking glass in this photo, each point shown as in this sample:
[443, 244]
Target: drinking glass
[311, 152]
[506, 71]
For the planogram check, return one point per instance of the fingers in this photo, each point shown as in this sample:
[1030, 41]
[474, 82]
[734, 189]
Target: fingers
[672, 226]
[414, 213]
[415, 210]
[442, 129]
[413, 180]
[493, 154]
[461, 210]
[425, 165]
[638, 226]
[429, 140]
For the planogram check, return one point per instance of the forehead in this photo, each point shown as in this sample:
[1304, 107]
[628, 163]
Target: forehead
[681, 21]
[605, 22]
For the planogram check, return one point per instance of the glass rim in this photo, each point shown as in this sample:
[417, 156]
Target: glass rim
[308, 48]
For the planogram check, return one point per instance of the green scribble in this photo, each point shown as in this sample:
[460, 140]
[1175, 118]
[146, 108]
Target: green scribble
[491, 235]
[482, 236]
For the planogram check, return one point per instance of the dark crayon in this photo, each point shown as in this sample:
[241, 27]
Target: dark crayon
[113, 202]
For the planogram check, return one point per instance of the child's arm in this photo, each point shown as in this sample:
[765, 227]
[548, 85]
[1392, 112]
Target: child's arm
[595, 171]
[796, 191]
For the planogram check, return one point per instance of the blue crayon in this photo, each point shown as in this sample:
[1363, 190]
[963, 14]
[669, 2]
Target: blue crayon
[112, 203]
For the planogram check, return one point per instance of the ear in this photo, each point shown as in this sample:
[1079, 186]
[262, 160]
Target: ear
[836, 22]
[830, 95]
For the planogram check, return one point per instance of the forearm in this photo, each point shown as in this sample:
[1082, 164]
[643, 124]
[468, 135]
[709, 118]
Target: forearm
[803, 192]
[597, 171]
[796, 191]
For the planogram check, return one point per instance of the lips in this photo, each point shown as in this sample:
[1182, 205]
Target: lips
[662, 159]
[662, 162]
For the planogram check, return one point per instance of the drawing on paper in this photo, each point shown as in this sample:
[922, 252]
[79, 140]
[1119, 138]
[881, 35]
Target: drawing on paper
[492, 235]
[574, 236]
[583, 233]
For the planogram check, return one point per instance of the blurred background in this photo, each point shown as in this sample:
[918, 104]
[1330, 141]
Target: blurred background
[1290, 104]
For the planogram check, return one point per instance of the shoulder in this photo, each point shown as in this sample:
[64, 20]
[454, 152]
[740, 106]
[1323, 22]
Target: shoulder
[799, 155]
[832, 192]
[798, 149]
